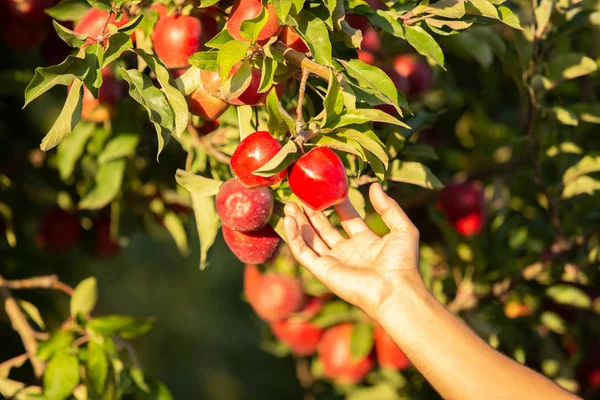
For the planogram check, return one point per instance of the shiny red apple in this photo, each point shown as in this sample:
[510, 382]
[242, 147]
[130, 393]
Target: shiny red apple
[252, 153]
[319, 179]
[93, 22]
[244, 209]
[291, 39]
[176, 38]
[244, 10]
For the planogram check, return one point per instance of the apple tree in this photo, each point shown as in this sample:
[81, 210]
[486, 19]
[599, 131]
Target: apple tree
[478, 116]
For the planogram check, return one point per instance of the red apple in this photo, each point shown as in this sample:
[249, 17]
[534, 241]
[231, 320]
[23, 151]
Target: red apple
[366, 56]
[244, 10]
[250, 96]
[160, 9]
[389, 354]
[244, 209]
[318, 178]
[255, 247]
[298, 332]
[59, 231]
[416, 70]
[176, 38]
[278, 297]
[338, 362]
[464, 206]
[202, 103]
[94, 20]
[104, 245]
[252, 153]
[104, 107]
[252, 278]
[292, 40]
[29, 12]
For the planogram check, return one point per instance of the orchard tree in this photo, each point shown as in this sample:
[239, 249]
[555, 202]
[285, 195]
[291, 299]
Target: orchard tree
[478, 115]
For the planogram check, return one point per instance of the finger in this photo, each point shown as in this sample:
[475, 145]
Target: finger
[350, 219]
[390, 211]
[323, 227]
[301, 251]
[307, 231]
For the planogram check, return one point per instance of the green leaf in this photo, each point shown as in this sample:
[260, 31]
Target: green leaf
[381, 391]
[424, 43]
[229, 55]
[68, 10]
[61, 376]
[97, 367]
[207, 224]
[509, 18]
[103, 5]
[250, 28]
[107, 185]
[375, 82]
[376, 165]
[369, 141]
[85, 297]
[205, 60]
[95, 56]
[333, 105]
[142, 90]
[208, 3]
[283, 8]
[61, 74]
[58, 342]
[124, 326]
[132, 25]
[315, 34]
[280, 122]
[137, 375]
[586, 165]
[482, 7]
[71, 148]
[245, 123]
[122, 145]
[268, 73]
[387, 21]
[365, 115]
[566, 66]
[333, 313]
[32, 311]
[358, 201]
[280, 161]
[565, 116]
[453, 9]
[177, 230]
[71, 38]
[197, 183]
[419, 151]
[361, 341]
[582, 185]
[67, 119]
[553, 322]
[341, 143]
[117, 45]
[189, 81]
[570, 295]
[219, 40]
[414, 173]
[174, 96]
[238, 82]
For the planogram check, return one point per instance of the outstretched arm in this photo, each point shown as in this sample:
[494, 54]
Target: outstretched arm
[380, 275]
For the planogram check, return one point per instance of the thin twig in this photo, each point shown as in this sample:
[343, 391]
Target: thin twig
[38, 282]
[300, 60]
[14, 362]
[299, 113]
[20, 324]
[206, 144]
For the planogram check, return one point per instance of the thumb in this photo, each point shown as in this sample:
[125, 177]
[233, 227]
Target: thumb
[390, 211]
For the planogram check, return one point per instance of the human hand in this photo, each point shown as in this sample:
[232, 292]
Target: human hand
[364, 269]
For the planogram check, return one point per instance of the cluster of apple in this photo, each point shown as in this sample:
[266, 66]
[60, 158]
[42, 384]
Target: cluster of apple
[280, 300]
[245, 202]
[60, 231]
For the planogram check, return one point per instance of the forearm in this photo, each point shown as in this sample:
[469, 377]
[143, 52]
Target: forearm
[451, 356]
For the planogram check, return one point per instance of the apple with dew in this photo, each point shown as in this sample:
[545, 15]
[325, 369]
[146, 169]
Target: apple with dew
[253, 152]
[255, 247]
[319, 179]
[336, 356]
[244, 209]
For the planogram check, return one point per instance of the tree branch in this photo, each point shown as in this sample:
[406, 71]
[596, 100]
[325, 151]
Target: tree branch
[300, 60]
[206, 144]
[38, 282]
[20, 324]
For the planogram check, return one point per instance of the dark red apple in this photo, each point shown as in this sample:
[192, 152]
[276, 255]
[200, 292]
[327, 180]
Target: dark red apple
[94, 20]
[416, 70]
[319, 179]
[202, 102]
[104, 107]
[338, 362]
[244, 10]
[104, 245]
[252, 153]
[278, 297]
[59, 231]
[255, 247]
[29, 12]
[464, 206]
[244, 209]
[389, 354]
[176, 38]
[250, 96]
[292, 40]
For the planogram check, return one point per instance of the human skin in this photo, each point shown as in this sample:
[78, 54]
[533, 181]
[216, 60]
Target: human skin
[380, 275]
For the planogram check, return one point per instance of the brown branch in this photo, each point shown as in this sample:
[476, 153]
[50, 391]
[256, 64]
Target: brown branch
[14, 362]
[205, 143]
[38, 282]
[300, 60]
[20, 324]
